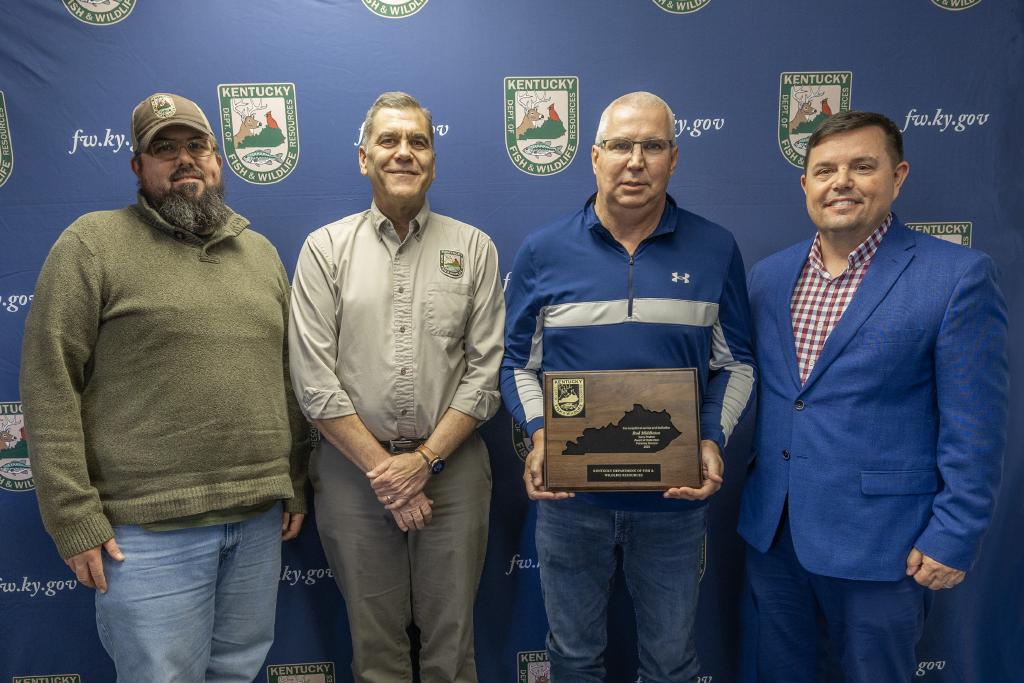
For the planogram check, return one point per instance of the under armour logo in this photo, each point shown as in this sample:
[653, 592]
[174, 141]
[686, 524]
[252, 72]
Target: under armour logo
[685, 278]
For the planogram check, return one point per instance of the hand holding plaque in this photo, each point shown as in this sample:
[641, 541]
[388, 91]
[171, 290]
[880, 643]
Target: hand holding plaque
[623, 430]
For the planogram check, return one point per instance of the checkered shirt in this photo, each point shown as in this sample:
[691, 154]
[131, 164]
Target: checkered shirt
[819, 299]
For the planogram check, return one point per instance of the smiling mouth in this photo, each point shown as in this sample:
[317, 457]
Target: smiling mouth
[844, 203]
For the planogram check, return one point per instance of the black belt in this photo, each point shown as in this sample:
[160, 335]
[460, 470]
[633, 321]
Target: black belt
[403, 445]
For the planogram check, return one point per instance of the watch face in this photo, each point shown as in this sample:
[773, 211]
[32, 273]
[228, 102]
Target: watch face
[436, 465]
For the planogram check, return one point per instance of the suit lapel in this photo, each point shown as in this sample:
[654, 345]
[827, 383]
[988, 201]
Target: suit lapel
[783, 317]
[892, 257]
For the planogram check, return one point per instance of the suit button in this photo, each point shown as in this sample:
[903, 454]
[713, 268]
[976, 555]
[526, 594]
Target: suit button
[785, 455]
[799, 405]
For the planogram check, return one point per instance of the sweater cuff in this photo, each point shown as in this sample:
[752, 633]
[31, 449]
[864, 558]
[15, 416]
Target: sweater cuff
[77, 538]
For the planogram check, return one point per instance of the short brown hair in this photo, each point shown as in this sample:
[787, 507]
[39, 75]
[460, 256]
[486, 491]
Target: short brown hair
[852, 120]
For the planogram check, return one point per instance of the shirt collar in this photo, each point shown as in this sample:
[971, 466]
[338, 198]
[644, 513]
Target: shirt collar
[666, 224]
[858, 257]
[416, 226]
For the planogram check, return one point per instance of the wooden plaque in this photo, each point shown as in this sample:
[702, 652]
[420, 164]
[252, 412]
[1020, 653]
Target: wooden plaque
[621, 430]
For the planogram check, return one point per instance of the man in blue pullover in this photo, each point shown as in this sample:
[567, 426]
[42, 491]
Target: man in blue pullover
[628, 281]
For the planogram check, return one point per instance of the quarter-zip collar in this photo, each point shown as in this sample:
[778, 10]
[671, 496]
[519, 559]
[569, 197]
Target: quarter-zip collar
[232, 227]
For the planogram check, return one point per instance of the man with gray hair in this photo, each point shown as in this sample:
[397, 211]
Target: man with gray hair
[628, 281]
[168, 451]
[395, 339]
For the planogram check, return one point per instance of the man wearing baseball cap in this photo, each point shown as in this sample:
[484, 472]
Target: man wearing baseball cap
[168, 451]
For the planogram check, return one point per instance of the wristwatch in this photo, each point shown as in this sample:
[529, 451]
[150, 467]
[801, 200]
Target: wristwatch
[435, 463]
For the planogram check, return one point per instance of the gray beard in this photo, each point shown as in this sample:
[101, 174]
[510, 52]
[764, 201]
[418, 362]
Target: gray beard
[200, 215]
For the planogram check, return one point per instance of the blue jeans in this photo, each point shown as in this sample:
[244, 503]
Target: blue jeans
[660, 558]
[192, 605]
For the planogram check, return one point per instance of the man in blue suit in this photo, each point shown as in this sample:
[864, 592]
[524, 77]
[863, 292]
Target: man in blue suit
[881, 418]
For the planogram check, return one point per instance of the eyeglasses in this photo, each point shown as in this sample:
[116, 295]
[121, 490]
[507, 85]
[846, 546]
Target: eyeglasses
[623, 147]
[197, 148]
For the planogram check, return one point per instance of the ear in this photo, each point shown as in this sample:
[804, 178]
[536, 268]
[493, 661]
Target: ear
[803, 183]
[902, 170]
[220, 160]
[362, 160]
[595, 151]
[675, 160]
[136, 164]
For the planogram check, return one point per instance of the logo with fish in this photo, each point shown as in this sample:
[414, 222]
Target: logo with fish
[806, 99]
[15, 473]
[394, 9]
[259, 130]
[99, 12]
[956, 232]
[681, 6]
[542, 120]
[6, 152]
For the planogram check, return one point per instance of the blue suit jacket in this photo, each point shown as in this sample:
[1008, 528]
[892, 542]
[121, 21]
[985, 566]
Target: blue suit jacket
[895, 441]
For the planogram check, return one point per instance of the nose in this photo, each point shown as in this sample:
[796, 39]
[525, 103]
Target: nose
[842, 178]
[636, 157]
[404, 149]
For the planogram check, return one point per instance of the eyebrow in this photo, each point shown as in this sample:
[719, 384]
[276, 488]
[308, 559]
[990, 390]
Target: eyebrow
[857, 160]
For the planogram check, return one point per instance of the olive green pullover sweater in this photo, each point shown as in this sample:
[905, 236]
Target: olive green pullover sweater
[154, 377]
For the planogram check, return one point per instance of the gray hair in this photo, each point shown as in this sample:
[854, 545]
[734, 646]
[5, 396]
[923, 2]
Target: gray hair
[637, 99]
[394, 99]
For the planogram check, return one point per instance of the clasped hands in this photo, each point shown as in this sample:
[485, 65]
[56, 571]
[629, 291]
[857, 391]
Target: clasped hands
[398, 484]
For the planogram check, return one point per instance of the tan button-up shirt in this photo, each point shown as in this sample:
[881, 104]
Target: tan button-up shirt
[396, 332]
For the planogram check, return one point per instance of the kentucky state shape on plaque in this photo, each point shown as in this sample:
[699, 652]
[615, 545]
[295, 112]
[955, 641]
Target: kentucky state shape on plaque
[639, 431]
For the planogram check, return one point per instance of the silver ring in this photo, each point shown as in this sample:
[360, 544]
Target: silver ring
[389, 500]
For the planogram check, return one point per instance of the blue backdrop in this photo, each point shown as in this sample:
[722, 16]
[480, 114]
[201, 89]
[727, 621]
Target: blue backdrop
[747, 81]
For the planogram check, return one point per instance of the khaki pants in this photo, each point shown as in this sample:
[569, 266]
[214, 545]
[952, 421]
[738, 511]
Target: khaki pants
[390, 579]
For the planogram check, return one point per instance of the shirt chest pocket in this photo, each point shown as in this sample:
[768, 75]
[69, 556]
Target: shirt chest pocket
[447, 309]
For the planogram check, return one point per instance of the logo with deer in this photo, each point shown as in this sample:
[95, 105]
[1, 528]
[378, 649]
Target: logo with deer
[99, 12]
[259, 130]
[15, 473]
[6, 152]
[541, 122]
[681, 6]
[806, 99]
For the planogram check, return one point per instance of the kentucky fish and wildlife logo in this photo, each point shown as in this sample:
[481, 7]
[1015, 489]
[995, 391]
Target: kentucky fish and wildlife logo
[681, 6]
[452, 263]
[567, 397]
[99, 12]
[394, 9]
[533, 667]
[955, 232]
[308, 672]
[806, 99]
[259, 130]
[48, 678]
[6, 153]
[15, 472]
[541, 122]
[955, 5]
